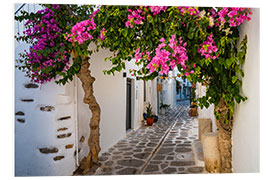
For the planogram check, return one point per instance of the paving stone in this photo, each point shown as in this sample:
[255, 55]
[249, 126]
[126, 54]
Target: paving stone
[102, 158]
[151, 145]
[182, 163]
[169, 170]
[120, 146]
[183, 150]
[128, 157]
[159, 157]
[141, 144]
[125, 149]
[165, 150]
[128, 153]
[142, 155]
[111, 150]
[118, 167]
[137, 150]
[117, 152]
[116, 157]
[181, 169]
[106, 169]
[183, 145]
[164, 165]
[170, 158]
[109, 163]
[168, 145]
[155, 162]
[188, 156]
[130, 162]
[151, 168]
[195, 169]
[148, 149]
[127, 171]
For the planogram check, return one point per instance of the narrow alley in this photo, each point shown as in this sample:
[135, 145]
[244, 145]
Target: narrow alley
[164, 148]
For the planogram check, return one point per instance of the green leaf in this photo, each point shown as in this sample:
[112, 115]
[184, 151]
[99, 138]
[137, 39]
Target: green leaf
[228, 62]
[125, 32]
[234, 79]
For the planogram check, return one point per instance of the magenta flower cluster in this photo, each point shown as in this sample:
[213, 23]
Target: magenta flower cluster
[234, 16]
[139, 55]
[136, 16]
[165, 60]
[44, 34]
[189, 10]
[80, 32]
[157, 9]
[208, 49]
[102, 34]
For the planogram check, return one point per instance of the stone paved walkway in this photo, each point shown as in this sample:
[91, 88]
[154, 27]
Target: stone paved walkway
[164, 148]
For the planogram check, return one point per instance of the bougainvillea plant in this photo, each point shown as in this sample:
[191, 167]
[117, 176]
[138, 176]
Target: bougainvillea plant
[203, 43]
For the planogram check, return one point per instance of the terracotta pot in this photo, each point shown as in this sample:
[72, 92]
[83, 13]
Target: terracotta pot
[150, 121]
[193, 111]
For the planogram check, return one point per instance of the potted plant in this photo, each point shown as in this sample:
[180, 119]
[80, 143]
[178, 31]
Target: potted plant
[149, 115]
[164, 107]
[193, 105]
[193, 111]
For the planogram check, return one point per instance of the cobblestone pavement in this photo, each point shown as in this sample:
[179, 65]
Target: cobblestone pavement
[164, 148]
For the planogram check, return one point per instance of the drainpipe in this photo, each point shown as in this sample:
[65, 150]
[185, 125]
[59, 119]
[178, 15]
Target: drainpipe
[76, 120]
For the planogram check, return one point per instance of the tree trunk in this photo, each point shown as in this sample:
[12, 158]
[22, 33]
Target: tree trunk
[224, 136]
[90, 163]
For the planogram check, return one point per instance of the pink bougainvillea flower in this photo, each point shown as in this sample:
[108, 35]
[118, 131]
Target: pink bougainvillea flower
[135, 16]
[208, 49]
[164, 60]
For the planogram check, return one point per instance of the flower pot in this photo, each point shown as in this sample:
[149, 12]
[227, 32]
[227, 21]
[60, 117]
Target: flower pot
[150, 121]
[193, 111]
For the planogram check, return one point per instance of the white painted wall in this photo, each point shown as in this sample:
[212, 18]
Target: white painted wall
[246, 130]
[40, 127]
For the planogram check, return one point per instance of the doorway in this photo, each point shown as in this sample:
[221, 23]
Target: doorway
[129, 104]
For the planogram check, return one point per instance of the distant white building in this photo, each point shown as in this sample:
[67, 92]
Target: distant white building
[184, 91]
